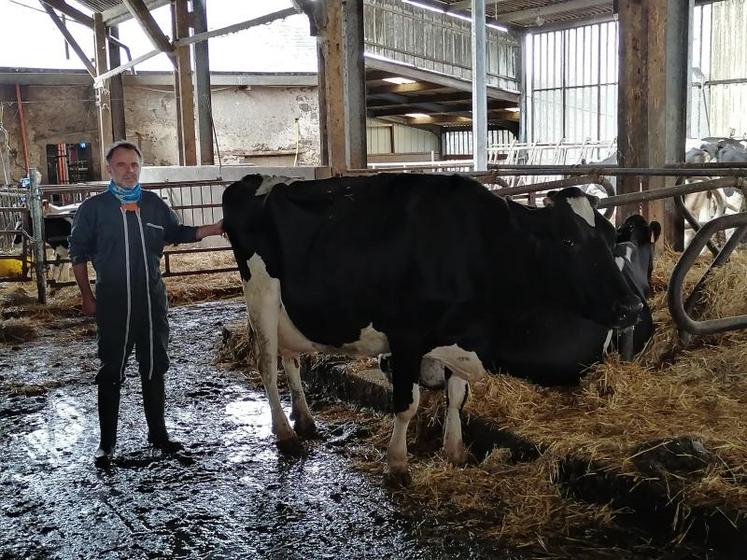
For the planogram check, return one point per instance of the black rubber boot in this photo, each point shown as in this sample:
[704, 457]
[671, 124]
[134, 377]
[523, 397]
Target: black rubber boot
[154, 400]
[108, 403]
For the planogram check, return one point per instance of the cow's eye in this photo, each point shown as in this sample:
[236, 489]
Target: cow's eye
[569, 242]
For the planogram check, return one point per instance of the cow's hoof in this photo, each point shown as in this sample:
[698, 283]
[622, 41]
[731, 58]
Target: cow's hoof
[290, 446]
[458, 457]
[397, 479]
[306, 428]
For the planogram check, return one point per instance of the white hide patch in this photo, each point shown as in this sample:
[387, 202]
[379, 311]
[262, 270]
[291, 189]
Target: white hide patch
[620, 261]
[270, 181]
[608, 340]
[464, 364]
[432, 372]
[262, 287]
[583, 208]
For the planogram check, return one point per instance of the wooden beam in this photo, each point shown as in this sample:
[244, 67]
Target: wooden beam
[184, 87]
[116, 88]
[652, 100]
[70, 12]
[632, 119]
[355, 84]
[435, 78]
[202, 85]
[103, 99]
[334, 74]
[322, 100]
[418, 107]
[71, 40]
[403, 88]
[668, 66]
[143, 16]
[439, 119]
[203, 36]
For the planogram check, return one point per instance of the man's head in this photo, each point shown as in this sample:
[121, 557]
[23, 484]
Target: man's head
[123, 162]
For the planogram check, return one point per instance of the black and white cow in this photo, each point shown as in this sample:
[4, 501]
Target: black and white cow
[421, 265]
[58, 222]
[634, 254]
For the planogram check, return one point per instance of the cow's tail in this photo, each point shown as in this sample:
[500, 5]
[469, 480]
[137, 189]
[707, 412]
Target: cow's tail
[242, 219]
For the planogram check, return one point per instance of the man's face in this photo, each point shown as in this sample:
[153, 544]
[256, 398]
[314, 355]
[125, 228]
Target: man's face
[124, 167]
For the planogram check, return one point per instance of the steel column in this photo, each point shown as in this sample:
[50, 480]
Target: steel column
[37, 244]
[479, 87]
[355, 84]
[183, 86]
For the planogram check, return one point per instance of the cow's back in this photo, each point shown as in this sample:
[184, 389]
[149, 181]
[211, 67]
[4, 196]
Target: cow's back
[378, 249]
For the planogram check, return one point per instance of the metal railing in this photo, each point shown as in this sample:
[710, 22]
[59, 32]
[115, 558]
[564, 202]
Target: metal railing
[195, 202]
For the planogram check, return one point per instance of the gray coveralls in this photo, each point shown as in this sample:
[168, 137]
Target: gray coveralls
[131, 306]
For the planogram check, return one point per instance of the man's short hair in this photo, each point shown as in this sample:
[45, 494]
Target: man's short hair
[123, 144]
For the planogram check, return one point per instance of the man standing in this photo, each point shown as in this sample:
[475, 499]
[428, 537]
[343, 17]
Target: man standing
[123, 232]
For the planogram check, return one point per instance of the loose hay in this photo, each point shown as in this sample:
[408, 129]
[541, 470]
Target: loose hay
[14, 331]
[621, 418]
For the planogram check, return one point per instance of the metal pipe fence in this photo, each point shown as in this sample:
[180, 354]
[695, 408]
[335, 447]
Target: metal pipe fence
[197, 203]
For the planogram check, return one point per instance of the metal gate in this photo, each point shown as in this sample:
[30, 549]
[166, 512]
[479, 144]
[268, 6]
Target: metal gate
[15, 246]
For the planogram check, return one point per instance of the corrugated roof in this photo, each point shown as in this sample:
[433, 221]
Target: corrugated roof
[536, 13]
[521, 13]
[115, 11]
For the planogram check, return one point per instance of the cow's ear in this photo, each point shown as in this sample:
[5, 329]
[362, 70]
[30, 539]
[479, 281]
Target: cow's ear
[655, 228]
[548, 200]
[593, 200]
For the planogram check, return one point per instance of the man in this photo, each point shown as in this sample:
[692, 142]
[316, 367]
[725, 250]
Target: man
[123, 232]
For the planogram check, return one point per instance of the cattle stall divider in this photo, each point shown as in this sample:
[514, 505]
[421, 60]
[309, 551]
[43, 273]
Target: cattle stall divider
[681, 312]
[196, 203]
[13, 210]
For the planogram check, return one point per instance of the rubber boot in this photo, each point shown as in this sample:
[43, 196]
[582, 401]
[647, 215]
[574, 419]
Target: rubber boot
[108, 403]
[154, 400]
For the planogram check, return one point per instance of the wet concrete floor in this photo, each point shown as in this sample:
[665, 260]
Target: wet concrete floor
[230, 494]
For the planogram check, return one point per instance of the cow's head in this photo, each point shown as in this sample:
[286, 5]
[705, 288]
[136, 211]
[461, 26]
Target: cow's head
[636, 239]
[576, 244]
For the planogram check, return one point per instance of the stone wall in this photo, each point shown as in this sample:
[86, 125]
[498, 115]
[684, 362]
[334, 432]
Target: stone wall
[53, 115]
[254, 124]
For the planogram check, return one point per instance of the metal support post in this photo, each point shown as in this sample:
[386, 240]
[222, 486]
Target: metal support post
[479, 91]
[37, 243]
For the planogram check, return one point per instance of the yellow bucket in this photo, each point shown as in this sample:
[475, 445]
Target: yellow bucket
[11, 268]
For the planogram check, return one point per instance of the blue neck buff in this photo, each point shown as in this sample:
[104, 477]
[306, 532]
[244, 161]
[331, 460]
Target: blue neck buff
[125, 196]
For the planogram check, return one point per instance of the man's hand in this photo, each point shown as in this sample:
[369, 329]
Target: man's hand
[210, 229]
[89, 306]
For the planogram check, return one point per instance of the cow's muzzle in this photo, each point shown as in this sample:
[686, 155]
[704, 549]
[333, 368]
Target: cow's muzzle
[626, 311]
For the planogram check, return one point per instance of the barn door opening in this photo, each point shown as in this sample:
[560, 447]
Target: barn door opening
[69, 163]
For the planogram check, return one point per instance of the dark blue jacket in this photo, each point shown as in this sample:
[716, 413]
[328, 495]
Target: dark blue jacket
[126, 247]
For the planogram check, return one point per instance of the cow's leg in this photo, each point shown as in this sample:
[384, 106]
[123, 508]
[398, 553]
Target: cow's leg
[397, 452]
[263, 307]
[457, 390]
[406, 396]
[63, 270]
[300, 413]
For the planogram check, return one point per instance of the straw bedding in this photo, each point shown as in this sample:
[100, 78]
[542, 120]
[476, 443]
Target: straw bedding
[619, 417]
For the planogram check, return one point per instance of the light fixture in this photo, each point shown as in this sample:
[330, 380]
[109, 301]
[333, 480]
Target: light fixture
[399, 80]
[416, 115]
[450, 14]
[539, 21]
